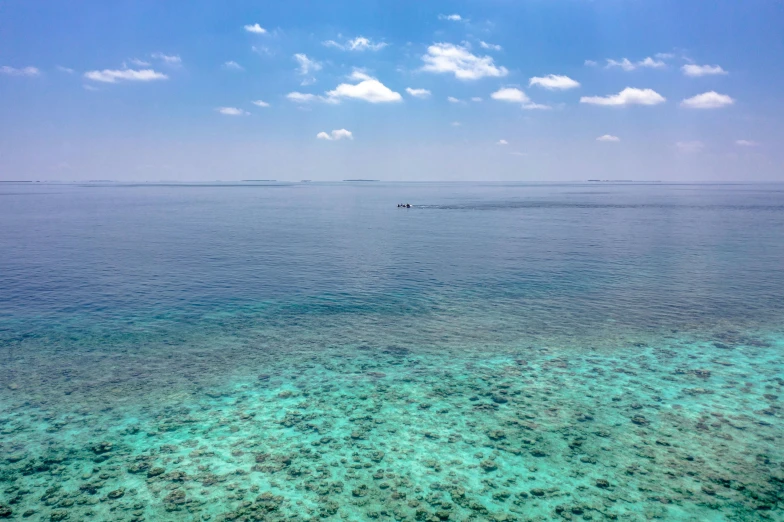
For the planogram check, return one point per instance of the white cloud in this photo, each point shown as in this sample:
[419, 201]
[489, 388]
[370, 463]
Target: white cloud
[24, 71]
[628, 96]
[452, 99]
[255, 28]
[502, 142]
[299, 97]
[627, 65]
[608, 137]
[707, 100]
[139, 63]
[369, 89]
[664, 56]
[456, 124]
[306, 65]
[553, 82]
[169, 59]
[65, 69]
[260, 103]
[360, 43]
[476, 99]
[418, 93]
[493, 47]
[650, 62]
[591, 63]
[746, 143]
[232, 65]
[510, 94]
[690, 146]
[359, 75]
[451, 18]
[450, 58]
[536, 106]
[335, 135]
[131, 75]
[693, 70]
[231, 111]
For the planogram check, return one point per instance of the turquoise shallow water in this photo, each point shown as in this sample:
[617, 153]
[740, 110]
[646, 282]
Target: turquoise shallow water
[498, 352]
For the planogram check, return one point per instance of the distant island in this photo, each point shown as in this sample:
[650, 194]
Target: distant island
[360, 180]
[245, 180]
[623, 181]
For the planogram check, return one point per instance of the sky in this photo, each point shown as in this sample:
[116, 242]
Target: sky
[526, 90]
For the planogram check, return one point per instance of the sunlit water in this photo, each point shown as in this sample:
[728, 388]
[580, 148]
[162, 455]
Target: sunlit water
[310, 351]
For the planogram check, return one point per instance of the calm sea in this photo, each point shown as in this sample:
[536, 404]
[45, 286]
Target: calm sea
[275, 351]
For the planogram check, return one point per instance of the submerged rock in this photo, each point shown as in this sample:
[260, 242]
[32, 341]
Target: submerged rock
[102, 447]
[117, 493]
[488, 465]
[5, 511]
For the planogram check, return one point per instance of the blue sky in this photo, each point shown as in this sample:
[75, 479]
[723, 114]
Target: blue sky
[474, 90]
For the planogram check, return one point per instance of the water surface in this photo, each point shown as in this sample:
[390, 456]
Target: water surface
[310, 351]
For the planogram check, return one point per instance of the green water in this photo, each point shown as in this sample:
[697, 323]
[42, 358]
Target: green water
[514, 362]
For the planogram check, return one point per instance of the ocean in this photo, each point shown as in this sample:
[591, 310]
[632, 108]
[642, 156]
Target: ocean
[310, 351]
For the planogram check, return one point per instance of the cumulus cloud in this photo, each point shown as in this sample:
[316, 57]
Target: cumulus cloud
[458, 60]
[515, 95]
[139, 63]
[456, 124]
[591, 63]
[627, 65]
[628, 96]
[502, 142]
[255, 28]
[231, 111]
[451, 18]
[306, 65]
[510, 94]
[169, 59]
[608, 137]
[335, 135]
[452, 99]
[690, 146]
[233, 66]
[746, 143]
[65, 69]
[24, 71]
[131, 75]
[476, 99]
[360, 43]
[492, 47]
[554, 82]
[418, 93]
[694, 70]
[707, 100]
[368, 89]
[260, 103]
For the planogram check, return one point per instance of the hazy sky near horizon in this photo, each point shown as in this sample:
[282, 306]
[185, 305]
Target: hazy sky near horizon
[680, 90]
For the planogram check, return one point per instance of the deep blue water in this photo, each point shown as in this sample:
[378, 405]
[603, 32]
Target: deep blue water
[127, 307]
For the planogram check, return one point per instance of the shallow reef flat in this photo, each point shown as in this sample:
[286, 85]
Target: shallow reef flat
[290, 426]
